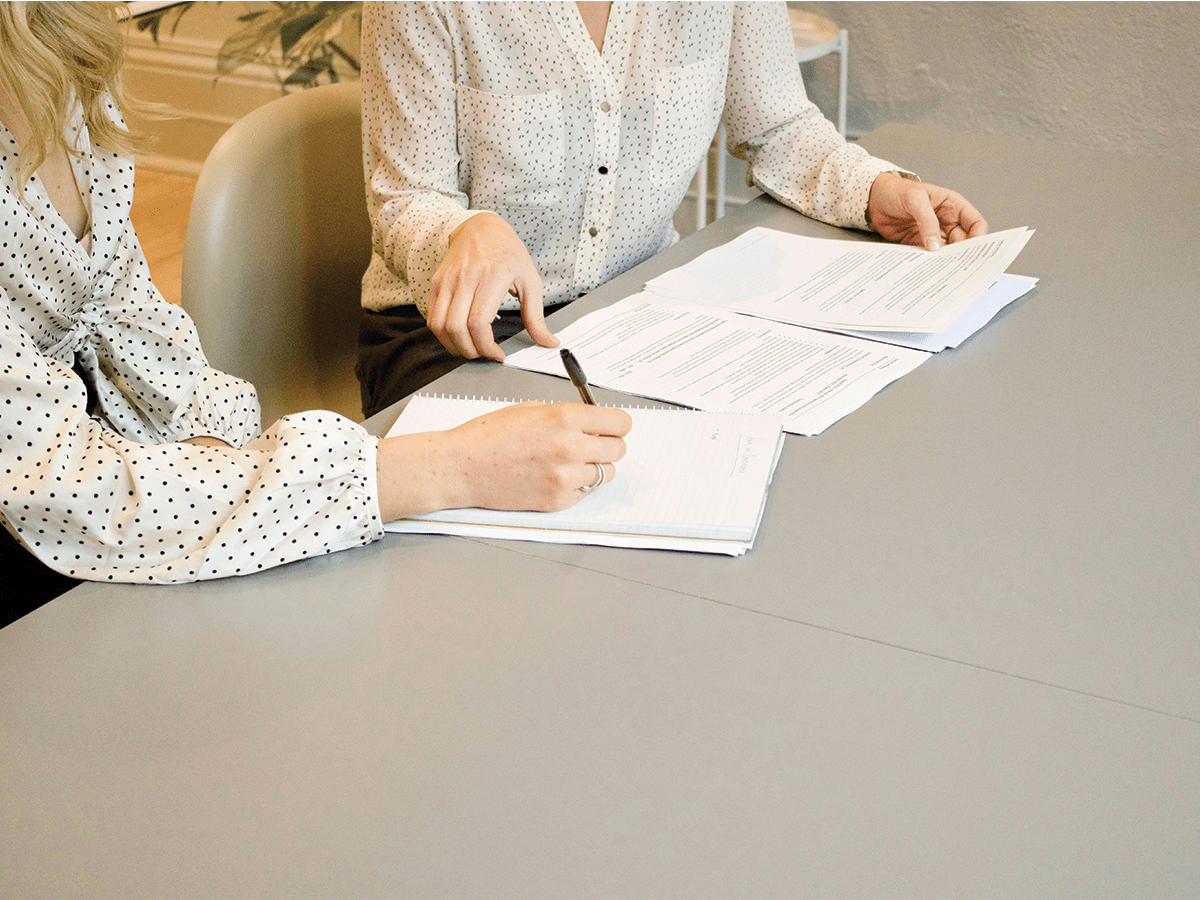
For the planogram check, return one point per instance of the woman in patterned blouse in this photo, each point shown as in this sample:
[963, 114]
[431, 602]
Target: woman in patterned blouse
[123, 455]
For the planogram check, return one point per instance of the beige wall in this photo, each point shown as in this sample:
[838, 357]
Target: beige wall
[1120, 76]
[1115, 75]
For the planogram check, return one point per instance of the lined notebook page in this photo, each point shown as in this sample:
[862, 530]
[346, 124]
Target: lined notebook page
[686, 474]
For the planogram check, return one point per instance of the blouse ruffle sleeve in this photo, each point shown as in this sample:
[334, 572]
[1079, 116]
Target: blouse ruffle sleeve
[94, 505]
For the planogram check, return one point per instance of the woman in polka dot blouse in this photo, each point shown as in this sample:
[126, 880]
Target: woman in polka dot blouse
[520, 154]
[123, 455]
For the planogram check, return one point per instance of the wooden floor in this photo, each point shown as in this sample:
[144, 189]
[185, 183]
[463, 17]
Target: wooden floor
[160, 212]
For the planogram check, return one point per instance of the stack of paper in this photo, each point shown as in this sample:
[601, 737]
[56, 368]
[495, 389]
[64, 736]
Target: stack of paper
[844, 285]
[1006, 289]
[689, 481]
[805, 328]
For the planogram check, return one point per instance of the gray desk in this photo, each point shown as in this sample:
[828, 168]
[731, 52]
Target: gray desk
[962, 660]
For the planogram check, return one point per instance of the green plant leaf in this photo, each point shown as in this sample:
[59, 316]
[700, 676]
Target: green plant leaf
[305, 33]
[246, 46]
[293, 30]
[152, 22]
[304, 76]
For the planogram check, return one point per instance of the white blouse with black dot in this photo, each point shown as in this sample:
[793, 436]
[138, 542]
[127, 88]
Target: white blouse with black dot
[510, 107]
[111, 495]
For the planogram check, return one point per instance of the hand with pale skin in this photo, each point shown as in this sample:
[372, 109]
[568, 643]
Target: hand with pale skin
[484, 263]
[531, 456]
[923, 215]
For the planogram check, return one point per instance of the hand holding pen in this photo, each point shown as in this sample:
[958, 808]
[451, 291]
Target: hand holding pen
[575, 373]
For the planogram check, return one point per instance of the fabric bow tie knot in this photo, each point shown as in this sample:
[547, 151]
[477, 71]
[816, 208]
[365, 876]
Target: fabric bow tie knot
[147, 354]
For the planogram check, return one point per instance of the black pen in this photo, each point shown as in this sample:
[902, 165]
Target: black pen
[575, 373]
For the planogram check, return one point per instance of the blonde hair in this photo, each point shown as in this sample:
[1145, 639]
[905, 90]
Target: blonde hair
[51, 52]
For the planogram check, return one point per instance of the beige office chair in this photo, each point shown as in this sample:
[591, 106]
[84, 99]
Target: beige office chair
[277, 242]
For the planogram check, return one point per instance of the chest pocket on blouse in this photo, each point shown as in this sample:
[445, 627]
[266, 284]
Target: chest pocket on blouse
[513, 148]
[687, 109]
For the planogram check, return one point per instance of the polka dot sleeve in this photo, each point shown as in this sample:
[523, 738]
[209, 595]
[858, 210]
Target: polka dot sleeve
[97, 506]
[410, 145]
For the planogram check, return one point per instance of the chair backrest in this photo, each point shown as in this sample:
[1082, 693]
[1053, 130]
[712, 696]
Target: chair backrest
[277, 242]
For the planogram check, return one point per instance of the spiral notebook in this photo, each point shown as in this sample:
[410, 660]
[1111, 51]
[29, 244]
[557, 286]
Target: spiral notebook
[690, 480]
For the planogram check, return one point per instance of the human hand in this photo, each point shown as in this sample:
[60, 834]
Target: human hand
[923, 215]
[485, 262]
[531, 456]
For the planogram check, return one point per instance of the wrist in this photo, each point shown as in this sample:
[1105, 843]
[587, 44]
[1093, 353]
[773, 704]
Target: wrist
[445, 465]
[419, 473]
[884, 178]
[456, 225]
[478, 218]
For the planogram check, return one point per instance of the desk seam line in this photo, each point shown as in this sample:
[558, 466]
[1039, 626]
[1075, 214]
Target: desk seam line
[882, 643]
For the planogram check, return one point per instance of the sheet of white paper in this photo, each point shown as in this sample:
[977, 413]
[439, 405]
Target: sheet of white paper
[1006, 289]
[712, 359]
[689, 481]
[550, 536]
[834, 284]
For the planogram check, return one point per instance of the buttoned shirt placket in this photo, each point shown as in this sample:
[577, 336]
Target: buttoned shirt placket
[605, 97]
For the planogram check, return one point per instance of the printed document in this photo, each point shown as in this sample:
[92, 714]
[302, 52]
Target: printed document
[713, 359]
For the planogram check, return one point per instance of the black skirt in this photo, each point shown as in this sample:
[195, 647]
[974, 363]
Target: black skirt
[26, 582]
[398, 354]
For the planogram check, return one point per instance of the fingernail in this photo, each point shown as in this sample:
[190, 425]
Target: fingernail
[932, 243]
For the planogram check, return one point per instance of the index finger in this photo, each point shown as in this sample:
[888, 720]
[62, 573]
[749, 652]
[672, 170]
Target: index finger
[920, 207]
[973, 221]
[604, 420]
[532, 312]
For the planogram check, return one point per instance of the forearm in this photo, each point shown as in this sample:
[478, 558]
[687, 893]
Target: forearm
[417, 474]
[171, 513]
[410, 140]
[795, 154]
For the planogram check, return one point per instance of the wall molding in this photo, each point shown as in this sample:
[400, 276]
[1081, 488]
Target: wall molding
[197, 55]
